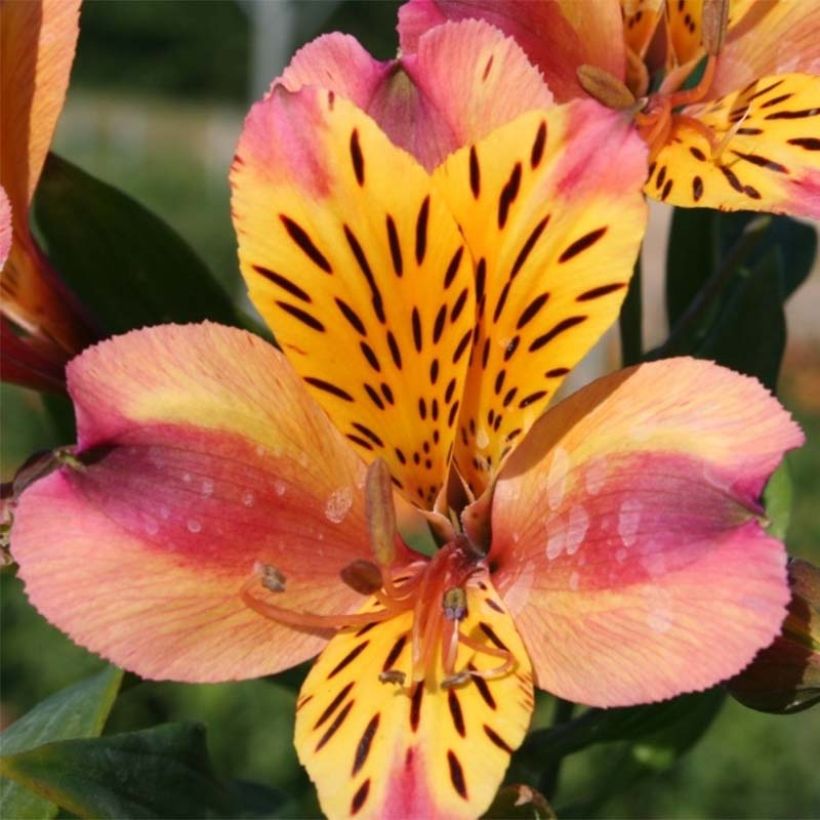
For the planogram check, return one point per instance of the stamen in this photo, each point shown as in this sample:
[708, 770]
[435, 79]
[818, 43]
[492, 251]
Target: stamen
[380, 512]
[392, 676]
[270, 577]
[457, 679]
[605, 88]
[363, 576]
[454, 603]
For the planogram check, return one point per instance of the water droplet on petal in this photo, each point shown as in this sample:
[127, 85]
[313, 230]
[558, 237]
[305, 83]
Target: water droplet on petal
[557, 477]
[194, 525]
[248, 498]
[186, 477]
[482, 438]
[577, 528]
[574, 578]
[151, 526]
[629, 520]
[164, 512]
[279, 487]
[339, 504]
[207, 487]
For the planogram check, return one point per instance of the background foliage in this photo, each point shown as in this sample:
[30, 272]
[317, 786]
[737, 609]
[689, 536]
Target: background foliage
[149, 72]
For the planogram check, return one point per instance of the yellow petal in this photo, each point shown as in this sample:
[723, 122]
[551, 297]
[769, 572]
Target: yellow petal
[551, 209]
[378, 749]
[640, 21]
[767, 156]
[361, 271]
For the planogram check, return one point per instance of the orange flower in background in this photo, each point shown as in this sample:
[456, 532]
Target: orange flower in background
[745, 137]
[41, 325]
[229, 512]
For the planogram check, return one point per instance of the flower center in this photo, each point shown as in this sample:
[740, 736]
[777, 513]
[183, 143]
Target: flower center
[435, 591]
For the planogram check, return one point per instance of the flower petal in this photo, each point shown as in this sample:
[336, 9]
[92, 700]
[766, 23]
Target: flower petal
[375, 749]
[770, 160]
[552, 211]
[557, 35]
[465, 80]
[626, 534]
[641, 18]
[772, 38]
[365, 282]
[204, 455]
[37, 43]
[5, 226]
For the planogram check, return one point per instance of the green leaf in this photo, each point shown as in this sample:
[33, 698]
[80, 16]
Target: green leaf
[749, 335]
[80, 711]
[777, 499]
[158, 772]
[796, 241]
[691, 258]
[126, 265]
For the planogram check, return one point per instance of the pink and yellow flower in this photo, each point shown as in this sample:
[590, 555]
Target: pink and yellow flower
[744, 138]
[41, 326]
[231, 514]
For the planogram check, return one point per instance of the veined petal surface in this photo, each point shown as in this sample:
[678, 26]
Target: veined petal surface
[780, 37]
[464, 80]
[352, 256]
[378, 749]
[552, 212]
[768, 154]
[204, 455]
[627, 534]
[556, 35]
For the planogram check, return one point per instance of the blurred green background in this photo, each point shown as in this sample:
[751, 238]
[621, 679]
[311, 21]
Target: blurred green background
[158, 93]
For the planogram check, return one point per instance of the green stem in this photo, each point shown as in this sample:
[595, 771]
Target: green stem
[549, 777]
[631, 320]
[680, 339]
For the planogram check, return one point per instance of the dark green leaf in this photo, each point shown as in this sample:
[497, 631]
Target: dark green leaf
[159, 772]
[127, 266]
[749, 335]
[796, 241]
[691, 258]
[80, 711]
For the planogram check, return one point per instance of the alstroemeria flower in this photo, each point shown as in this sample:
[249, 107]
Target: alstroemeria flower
[40, 324]
[744, 138]
[220, 524]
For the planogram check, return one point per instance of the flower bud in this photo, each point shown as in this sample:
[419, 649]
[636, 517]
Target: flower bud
[785, 677]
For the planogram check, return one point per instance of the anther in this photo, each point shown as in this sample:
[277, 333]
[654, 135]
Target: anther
[605, 88]
[392, 676]
[362, 576]
[270, 577]
[456, 680]
[454, 603]
[380, 512]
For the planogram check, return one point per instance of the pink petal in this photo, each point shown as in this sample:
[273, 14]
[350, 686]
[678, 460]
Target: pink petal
[464, 80]
[205, 455]
[627, 535]
[5, 227]
[557, 35]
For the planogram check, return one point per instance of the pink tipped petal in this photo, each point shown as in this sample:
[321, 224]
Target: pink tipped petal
[771, 38]
[627, 535]
[339, 63]
[5, 227]
[557, 35]
[465, 80]
[37, 43]
[205, 455]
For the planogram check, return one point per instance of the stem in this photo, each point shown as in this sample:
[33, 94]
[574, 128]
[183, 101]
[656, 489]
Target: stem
[630, 320]
[680, 337]
[549, 778]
